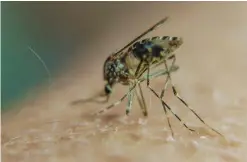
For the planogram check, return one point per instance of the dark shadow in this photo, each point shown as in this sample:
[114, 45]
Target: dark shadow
[93, 99]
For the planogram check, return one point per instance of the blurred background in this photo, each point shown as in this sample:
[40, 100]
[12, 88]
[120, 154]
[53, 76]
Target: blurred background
[53, 30]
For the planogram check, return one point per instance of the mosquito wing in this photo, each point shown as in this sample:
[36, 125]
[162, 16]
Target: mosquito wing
[120, 52]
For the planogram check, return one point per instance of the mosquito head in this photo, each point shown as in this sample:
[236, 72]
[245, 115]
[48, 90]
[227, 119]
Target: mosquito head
[114, 70]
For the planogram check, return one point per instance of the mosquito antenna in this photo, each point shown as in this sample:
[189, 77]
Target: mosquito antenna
[144, 33]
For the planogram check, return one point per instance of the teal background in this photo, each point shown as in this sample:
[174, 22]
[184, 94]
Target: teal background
[20, 69]
[23, 26]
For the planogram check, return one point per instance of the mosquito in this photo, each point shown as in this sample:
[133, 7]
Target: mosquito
[128, 65]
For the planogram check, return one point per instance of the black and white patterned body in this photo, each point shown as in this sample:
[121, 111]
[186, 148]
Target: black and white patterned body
[121, 68]
[155, 49]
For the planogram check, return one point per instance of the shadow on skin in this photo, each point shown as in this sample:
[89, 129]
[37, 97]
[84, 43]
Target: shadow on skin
[92, 99]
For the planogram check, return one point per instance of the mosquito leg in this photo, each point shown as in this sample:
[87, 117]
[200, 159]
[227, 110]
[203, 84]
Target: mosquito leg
[167, 78]
[161, 96]
[185, 103]
[158, 74]
[163, 92]
[165, 105]
[117, 102]
[154, 75]
[151, 76]
[138, 68]
[168, 119]
[130, 101]
[142, 102]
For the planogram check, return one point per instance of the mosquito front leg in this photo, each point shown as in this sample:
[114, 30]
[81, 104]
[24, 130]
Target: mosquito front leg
[117, 102]
[183, 101]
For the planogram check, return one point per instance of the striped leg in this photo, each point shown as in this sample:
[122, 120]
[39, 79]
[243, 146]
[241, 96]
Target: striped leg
[162, 95]
[141, 101]
[158, 73]
[165, 105]
[130, 101]
[183, 101]
[117, 102]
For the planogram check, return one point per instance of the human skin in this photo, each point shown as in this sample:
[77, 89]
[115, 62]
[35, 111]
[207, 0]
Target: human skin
[211, 79]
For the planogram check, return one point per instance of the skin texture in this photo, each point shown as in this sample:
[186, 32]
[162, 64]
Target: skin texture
[59, 126]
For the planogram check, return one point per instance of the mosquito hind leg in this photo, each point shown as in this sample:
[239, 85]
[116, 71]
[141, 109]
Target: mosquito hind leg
[163, 92]
[184, 102]
[168, 74]
[165, 105]
[161, 96]
[168, 119]
[156, 74]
